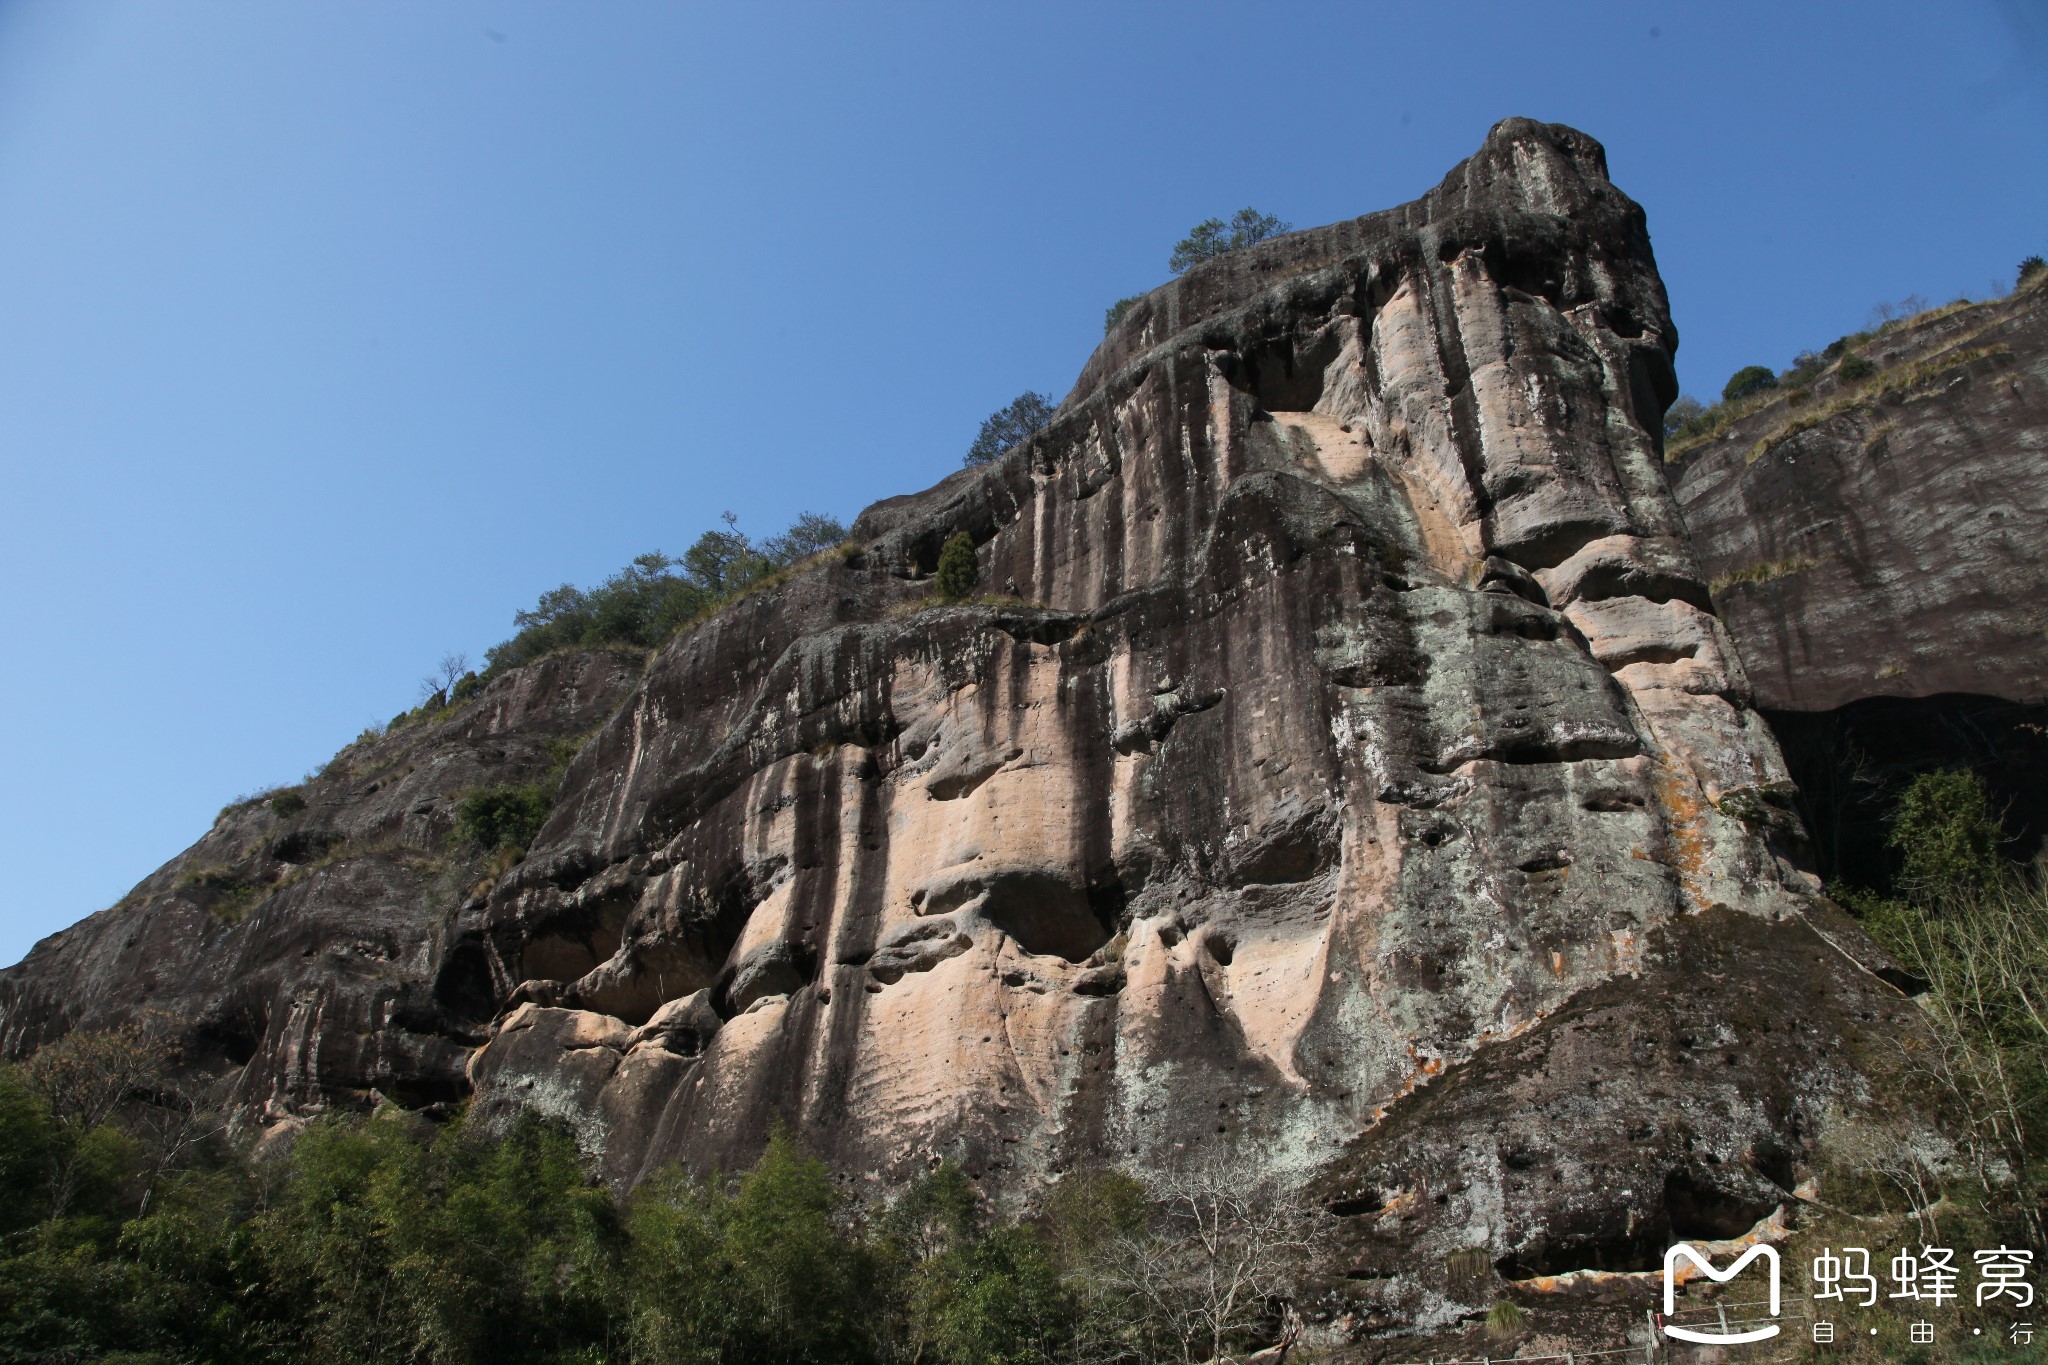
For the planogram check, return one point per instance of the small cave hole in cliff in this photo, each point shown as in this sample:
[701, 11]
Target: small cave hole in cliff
[1291, 855]
[1775, 1164]
[1600, 1247]
[463, 988]
[1357, 1206]
[1699, 1211]
[426, 1092]
[235, 1038]
[1047, 914]
[1287, 375]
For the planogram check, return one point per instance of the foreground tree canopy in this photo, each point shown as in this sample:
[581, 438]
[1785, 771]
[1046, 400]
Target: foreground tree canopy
[133, 1226]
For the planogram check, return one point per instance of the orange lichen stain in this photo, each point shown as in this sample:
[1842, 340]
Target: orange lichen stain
[1626, 950]
[1685, 824]
[1427, 1069]
[1556, 963]
[1400, 1202]
[1771, 1230]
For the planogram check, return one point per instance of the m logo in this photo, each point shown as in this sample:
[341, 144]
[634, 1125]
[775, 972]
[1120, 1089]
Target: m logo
[1706, 1267]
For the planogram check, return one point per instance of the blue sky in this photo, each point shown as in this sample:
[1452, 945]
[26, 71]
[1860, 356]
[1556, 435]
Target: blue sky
[332, 334]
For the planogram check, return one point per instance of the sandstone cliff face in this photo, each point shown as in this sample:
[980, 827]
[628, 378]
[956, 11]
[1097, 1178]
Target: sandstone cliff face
[1892, 541]
[1360, 708]
[1878, 553]
[1344, 779]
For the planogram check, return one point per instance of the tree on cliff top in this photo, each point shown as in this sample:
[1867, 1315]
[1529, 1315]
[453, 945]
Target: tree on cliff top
[1212, 237]
[1027, 414]
[648, 601]
[1748, 380]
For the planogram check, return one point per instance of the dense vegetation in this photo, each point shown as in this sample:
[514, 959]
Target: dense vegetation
[130, 1230]
[1971, 924]
[1114, 314]
[650, 599]
[958, 571]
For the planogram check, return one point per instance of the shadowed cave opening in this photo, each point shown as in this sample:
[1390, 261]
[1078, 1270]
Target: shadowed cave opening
[1293, 852]
[1286, 374]
[235, 1037]
[1048, 915]
[1851, 765]
[464, 988]
[1693, 1210]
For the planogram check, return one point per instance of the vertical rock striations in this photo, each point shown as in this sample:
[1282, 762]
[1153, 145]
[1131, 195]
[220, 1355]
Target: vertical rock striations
[1349, 781]
[1354, 712]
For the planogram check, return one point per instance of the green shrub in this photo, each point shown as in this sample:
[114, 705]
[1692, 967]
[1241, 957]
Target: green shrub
[502, 817]
[287, 803]
[1946, 834]
[998, 1300]
[958, 571]
[1116, 311]
[1027, 415]
[466, 686]
[1806, 367]
[223, 892]
[1748, 380]
[2030, 267]
[649, 600]
[1854, 368]
[1212, 237]
[1685, 411]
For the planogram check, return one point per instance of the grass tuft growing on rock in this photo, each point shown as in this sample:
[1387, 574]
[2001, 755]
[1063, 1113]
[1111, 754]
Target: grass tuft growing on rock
[223, 892]
[1762, 573]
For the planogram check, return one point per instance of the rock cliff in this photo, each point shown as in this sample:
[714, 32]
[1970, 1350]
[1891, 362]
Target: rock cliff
[1890, 537]
[301, 947]
[1346, 776]
[1879, 551]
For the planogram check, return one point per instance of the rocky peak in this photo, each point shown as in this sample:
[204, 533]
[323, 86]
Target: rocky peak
[1346, 764]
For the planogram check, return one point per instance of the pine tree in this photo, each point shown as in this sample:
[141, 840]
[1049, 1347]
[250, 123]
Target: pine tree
[958, 572]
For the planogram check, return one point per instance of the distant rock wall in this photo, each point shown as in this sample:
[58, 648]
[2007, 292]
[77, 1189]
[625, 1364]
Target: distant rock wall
[1879, 552]
[304, 954]
[1890, 540]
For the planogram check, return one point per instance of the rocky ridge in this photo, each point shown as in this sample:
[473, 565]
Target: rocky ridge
[303, 946]
[1346, 783]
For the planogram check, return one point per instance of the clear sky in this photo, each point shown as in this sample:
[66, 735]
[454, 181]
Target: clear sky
[332, 334]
